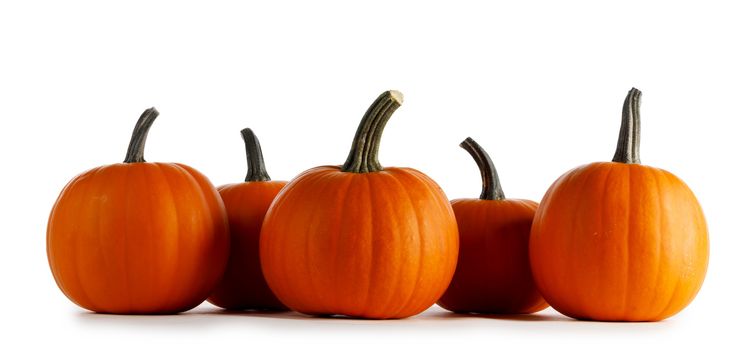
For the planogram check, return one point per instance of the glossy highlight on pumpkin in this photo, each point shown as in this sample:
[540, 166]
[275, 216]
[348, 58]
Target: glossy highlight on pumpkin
[360, 240]
[138, 237]
[619, 241]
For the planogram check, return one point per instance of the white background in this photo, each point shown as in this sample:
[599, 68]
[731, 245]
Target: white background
[539, 84]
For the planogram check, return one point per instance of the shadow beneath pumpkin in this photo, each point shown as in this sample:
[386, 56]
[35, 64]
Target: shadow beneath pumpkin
[509, 317]
[282, 314]
[207, 318]
[292, 315]
[184, 320]
[202, 316]
[433, 314]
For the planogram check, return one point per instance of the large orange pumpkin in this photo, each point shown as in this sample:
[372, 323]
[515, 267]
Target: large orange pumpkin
[138, 237]
[619, 241]
[493, 273]
[243, 285]
[360, 240]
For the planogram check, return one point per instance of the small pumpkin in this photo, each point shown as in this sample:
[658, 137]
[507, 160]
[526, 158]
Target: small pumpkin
[619, 241]
[493, 275]
[138, 237]
[360, 240]
[243, 286]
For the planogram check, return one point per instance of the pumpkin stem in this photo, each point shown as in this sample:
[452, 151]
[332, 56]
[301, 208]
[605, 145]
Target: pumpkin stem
[492, 189]
[256, 171]
[364, 156]
[136, 149]
[628, 150]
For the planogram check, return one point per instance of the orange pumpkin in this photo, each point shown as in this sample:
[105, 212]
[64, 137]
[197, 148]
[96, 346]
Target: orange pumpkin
[619, 241]
[493, 274]
[360, 240]
[137, 237]
[243, 285]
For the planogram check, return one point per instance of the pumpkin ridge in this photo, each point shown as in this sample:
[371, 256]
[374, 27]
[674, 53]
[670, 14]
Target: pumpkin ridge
[700, 242]
[660, 225]
[171, 287]
[335, 256]
[321, 306]
[672, 297]
[172, 295]
[396, 197]
[142, 171]
[587, 174]
[439, 196]
[81, 287]
[408, 303]
[703, 241]
[662, 266]
[628, 232]
[602, 208]
[372, 232]
[386, 302]
[581, 190]
[428, 183]
[126, 276]
[554, 201]
[661, 177]
[100, 188]
[198, 182]
[49, 251]
[316, 182]
[557, 265]
[190, 180]
[282, 197]
[97, 187]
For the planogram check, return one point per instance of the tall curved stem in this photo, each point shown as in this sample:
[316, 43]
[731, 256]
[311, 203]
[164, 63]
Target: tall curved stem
[628, 149]
[364, 155]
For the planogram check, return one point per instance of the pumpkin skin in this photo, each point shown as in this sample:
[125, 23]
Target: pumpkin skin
[138, 238]
[493, 275]
[360, 240]
[619, 241]
[243, 286]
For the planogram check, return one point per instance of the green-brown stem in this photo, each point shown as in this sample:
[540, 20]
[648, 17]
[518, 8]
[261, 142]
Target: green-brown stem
[364, 156]
[136, 149]
[628, 150]
[256, 171]
[492, 189]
